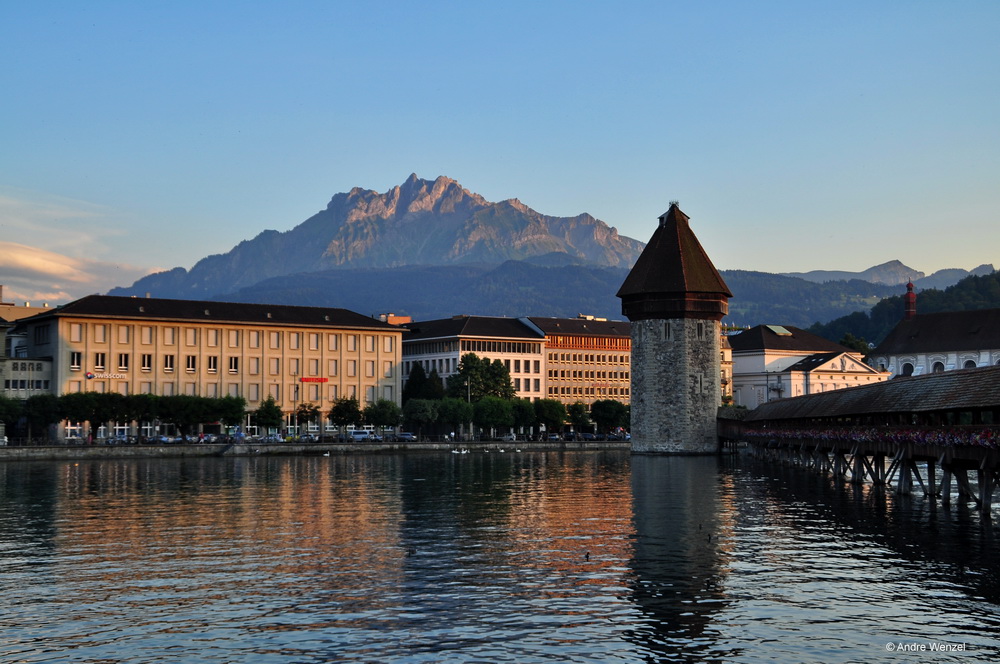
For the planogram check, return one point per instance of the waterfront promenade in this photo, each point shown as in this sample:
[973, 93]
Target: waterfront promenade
[255, 448]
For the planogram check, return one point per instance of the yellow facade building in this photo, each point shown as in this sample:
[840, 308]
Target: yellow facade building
[214, 349]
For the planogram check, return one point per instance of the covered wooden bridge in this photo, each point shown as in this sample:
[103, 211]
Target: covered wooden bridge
[945, 424]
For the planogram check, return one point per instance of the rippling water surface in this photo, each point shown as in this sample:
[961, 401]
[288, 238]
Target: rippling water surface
[483, 557]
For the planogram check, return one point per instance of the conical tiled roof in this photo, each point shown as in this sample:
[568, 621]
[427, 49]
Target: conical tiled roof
[674, 277]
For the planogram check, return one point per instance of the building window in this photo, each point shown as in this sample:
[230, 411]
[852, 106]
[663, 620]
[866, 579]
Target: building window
[293, 366]
[169, 336]
[274, 340]
[313, 367]
[99, 361]
[313, 341]
[332, 367]
[254, 366]
[387, 369]
[191, 363]
[123, 361]
[352, 342]
[274, 364]
[75, 359]
[234, 338]
[332, 341]
[213, 364]
[234, 365]
[76, 332]
[370, 343]
[938, 367]
[254, 338]
[191, 336]
[100, 333]
[352, 368]
[369, 369]
[213, 337]
[168, 362]
[253, 392]
[147, 362]
[124, 334]
[146, 335]
[293, 340]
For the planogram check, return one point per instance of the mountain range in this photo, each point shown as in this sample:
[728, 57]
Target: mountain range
[895, 273]
[432, 249]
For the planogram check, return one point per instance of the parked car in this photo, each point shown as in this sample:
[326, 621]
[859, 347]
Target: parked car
[508, 438]
[405, 437]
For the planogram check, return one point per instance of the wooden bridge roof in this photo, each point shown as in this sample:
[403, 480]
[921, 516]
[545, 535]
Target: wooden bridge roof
[965, 389]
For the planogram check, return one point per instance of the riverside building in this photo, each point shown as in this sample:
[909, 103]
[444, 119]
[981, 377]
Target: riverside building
[587, 359]
[212, 349]
[438, 345]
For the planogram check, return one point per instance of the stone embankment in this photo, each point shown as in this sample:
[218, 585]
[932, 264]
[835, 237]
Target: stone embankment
[71, 452]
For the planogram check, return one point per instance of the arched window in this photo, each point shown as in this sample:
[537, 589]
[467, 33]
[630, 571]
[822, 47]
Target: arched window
[938, 367]
[907, 369]
[969, 364]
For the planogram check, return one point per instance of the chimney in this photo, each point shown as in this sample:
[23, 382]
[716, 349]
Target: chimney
[910, 302]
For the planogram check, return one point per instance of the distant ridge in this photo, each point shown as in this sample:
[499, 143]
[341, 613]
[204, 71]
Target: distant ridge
[894, 273]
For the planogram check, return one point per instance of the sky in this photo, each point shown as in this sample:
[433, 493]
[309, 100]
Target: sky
[141, 136]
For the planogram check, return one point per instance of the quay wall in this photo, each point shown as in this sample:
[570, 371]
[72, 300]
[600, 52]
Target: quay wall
[73, 452]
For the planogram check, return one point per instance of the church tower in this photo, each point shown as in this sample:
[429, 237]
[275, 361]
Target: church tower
[675, 299]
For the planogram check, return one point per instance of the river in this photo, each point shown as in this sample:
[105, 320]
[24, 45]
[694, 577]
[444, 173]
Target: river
[508, 556]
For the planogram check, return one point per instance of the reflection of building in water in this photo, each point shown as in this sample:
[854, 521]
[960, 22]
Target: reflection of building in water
[684, 524]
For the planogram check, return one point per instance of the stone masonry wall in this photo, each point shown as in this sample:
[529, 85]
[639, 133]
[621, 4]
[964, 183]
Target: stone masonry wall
[676, 388]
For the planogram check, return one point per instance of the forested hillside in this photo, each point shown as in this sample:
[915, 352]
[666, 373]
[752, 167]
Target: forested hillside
[975, 292]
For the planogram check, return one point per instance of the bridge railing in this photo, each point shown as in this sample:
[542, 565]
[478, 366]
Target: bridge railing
[953, 436]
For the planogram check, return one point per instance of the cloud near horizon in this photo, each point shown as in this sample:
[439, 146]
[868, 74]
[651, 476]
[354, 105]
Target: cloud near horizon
[37, 275]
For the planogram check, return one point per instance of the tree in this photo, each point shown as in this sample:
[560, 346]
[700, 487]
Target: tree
[420, 413]
[491, 412]
[345, 411]
[232, 410]
[10, 411]
[609, 414]
[78, 406]
[578, 416]
[268, 415]
[41, 410]
[550, 413]
[185, 411]
[523, 413]
[454, 413]
[306, 413]
[855, 343]
[433, 388]
[477, 378]
[383, 413]
[415, 383]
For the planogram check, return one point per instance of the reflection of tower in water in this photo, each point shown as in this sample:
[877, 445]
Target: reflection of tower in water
[680, 558]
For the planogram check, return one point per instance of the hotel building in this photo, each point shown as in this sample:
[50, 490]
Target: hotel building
[213, 349]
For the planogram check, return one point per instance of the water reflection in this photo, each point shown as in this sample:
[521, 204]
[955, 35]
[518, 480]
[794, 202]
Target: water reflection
[534, 557]
[684, 525]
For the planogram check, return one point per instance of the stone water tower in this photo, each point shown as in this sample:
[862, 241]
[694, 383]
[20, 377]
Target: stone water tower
[675, 299]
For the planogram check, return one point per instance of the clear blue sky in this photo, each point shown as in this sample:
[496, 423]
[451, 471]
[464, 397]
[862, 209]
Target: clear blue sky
[797, 135]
